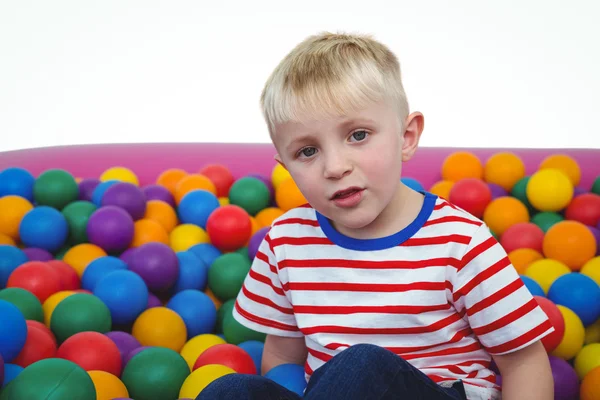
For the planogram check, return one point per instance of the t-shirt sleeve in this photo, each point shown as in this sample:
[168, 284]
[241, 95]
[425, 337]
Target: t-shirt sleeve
[262, 304]
[489, 293]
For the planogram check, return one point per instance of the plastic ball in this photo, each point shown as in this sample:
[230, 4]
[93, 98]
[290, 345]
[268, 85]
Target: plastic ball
[170, 178]
[155, 373]
[545, 220]
[110, 228]
[546, 271]
[92, 351]
[37, 254]
[504, 212]
[596, 185]
[255, 242]
[11, 371]
[148, 231]
[108, 386]
[160, 326]
[460, 165]
[201, 378]
[497, 191]
[278, 175]
[267, 181]
[193, 182]
[120, 174]
[77, 313]
[51, 302]
[36, 277]
[592, 333]
[12, 211]
[157, 264]
[25, 301]
[196, 309]
[549, 190]
[81, 255]
[229, 227]
[566, 164]
[7, 240]
[266, 217]
[236, 333]
[228, 355]
[534, 288]
[68, 277]
[159, 193]
[592, 269]
[413, 184]
[13, 331]
[44, 227]
[127, 196]
[193, 272]
[125, 294]
[98, 269]
[10, 258]
[184, 236]
[77, 215]
[52, 378]
[552, 340]
[289, 196]
[579, 293]
[31, 324]
[255, 349]
[227, 274]
[596, 233]
[587, 359]
[16, 181]
[504, 169]
[55, 188]
[290, 376]
[163, 213]
[522, 258]
[574, 335]
[251, 194]
[86, 188]
[206, 252]
[570, 242]
[522, 235]
[196, 206]
[194, 347]
[584, 208]
[442, 189]
[590, 384]
[100, 190]
[153, 301]
[519, 191]
[472, 195]
[220, 176]
[566, 383]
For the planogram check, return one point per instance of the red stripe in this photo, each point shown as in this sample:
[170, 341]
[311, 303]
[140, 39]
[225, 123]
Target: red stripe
[364, 287]
[477, 250]
[320, 355]
[484, 363]
[266, 302]
[444, 204]
[264, 258]
[482, 276]
[263, 321]
[301, 241]
[266, 280]
[494, 298]
[507, 319]
[446, 352]
[370, 309]
[428, 241]
[452, 218]
[368, 264]
[298, 221]
[523, 339]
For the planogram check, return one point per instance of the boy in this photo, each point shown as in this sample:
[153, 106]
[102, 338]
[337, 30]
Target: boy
[381, 292]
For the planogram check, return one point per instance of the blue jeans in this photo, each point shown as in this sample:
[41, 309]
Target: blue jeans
[361, 372]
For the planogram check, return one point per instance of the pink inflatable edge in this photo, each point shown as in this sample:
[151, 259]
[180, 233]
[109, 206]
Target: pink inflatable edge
[149, 160]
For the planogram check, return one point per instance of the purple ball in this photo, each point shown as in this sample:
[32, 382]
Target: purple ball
[157, 264]
[128, 197]
[127, 255]
[578, 190]
[125, 343]
[110, 228]
[158, 192]
[35, 254]
[256, 240]
[566, 381]
[497, 191]
[153, 301]
[132, 353]
[86, 188]
[596, 233]
[267, 182]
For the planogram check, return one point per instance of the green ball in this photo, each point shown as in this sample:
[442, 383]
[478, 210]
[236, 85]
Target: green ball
[226, 275]
[546, 219]
[243, 251]
[80, 312]
[55, 188]
[596, 185]
[51, 379]
[25, 301]
[77, 215]
[155, 373]
[251, 194]
[61, 253]
[236, 333]
[520, 192]
[225, 309]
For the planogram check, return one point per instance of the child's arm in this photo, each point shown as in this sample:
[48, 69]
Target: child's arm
[283, 350]
[526, 374]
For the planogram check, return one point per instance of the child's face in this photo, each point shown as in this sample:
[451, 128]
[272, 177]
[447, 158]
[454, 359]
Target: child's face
[359, 154]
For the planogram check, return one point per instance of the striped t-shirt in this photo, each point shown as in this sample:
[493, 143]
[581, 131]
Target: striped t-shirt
[441, 293]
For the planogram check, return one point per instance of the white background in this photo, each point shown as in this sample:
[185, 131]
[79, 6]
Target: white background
[519, 73]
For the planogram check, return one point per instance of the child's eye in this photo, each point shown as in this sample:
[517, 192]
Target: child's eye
[359, 135]
[308, 151]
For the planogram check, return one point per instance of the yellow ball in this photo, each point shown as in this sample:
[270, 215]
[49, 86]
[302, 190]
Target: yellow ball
[187, 235]
[224, 201]
[279, 175]
[7, 240]
[587, 359]
[81, 255]
[120, 174]
[592, 333]
[546, 271]
[196, 345]
[107, 385]
[201, 378]
[160, 326]
[442, 189]
[549, 190]
[574, 335]
[566, 164]
[51, 303]
[592, 269]
[12, 211]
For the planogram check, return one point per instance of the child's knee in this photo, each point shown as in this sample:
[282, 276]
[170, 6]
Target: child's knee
[223, 386]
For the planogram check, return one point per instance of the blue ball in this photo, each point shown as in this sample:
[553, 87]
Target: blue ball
[125, 294]
[98, 269]
[10, 372]
[290, 376]
[206, 252]
[193, 272]
[196, 206]
[10, 258]
[534, 288]
[13, 331]
[255, 349]
[413, 184]
[578, 292]
[44, 227]
[197, 311]
[17, 181]
[99, 191]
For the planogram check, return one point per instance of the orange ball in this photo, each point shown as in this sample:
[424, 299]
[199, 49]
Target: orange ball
[504, 212]
[461, 165]
[146, 231]
[268, 215]
[566, 164]
[570, 242]
[442, 189]
[590, 386]
[12, 210]
[504, 169]
[218, 303]
[522, 258]
[162, 213]
[81, 255]
[288, 195]
[6, 240]
[170, 178]
[193, 182]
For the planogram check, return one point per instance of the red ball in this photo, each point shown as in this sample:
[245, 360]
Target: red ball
[220, 176]
[92, 351]
[228, 355]
[229, 227]
[36, 324]
[39, 345]
[552, 340]
[37, 277]
[67, 274]
[523, 235]
[584, 208]
[472, 195]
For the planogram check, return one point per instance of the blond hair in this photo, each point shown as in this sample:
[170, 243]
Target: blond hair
[329, 75]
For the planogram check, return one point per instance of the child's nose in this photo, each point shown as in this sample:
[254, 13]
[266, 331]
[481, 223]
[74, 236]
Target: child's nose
[337, 166]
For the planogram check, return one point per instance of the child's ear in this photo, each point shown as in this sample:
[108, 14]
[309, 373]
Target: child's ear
[412, 134]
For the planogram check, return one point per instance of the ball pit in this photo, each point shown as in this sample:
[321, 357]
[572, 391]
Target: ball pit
[184, 233]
